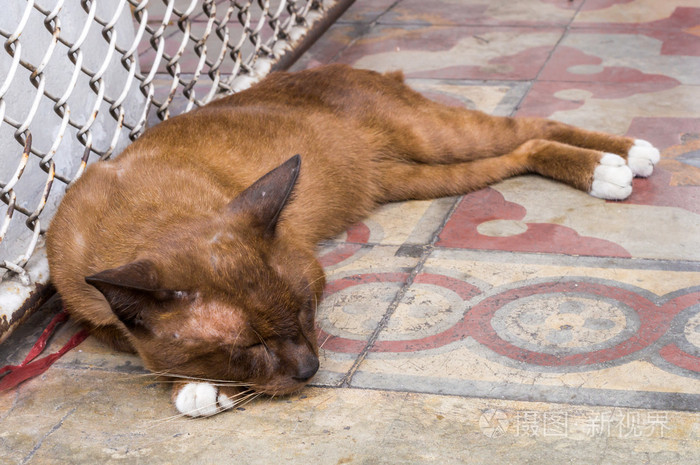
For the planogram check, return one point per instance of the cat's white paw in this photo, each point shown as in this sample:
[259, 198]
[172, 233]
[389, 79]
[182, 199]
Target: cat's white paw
[642, 157]
[225, 402]
[612, 178]
[198, 400]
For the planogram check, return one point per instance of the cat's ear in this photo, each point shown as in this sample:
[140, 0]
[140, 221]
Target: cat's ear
[131, 289]
[266, 198]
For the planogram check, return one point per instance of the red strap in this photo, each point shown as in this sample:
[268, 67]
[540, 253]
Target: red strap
[28, 368]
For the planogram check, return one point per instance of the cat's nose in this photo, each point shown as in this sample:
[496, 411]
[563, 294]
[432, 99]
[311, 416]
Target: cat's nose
[307, 369]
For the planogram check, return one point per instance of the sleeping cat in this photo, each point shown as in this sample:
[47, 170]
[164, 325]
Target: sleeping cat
[195, 247]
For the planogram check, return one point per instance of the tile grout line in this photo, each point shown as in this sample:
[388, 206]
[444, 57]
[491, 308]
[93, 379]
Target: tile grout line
[564, 259]
[586, 261]
[53, 429]
[532, 81]
[427, 251]
[690, 407]
[15, 402]
[365, 27]
[375, 21]
[347, 378]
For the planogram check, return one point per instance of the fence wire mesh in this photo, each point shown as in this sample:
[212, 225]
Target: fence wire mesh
[79, 79]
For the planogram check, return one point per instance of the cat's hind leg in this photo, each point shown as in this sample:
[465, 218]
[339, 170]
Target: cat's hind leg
[641, 156]
[601, 174]
[448, 135]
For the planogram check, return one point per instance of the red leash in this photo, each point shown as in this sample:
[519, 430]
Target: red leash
[12, 375]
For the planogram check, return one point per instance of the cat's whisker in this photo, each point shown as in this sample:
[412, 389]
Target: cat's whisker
[242, 393]
[246, 400]
[217, 384]
[262, 341]
[159, 378]
[213, 382]
[308, 267]
[143, 375]
[200, 379]
[324, 341]
[320, 278]
[314, 282]
[162, 421]
[240, 399]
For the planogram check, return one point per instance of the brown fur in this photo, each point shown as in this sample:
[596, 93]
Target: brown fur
[162, 252]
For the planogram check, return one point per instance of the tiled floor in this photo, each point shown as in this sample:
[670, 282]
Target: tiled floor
[526, 322]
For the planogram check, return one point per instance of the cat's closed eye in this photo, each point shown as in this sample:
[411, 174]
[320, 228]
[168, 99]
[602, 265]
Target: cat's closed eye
[253, 346]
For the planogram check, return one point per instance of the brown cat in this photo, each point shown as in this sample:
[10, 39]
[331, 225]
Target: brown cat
[180, 251]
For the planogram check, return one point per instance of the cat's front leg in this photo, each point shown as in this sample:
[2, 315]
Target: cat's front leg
[201, 399]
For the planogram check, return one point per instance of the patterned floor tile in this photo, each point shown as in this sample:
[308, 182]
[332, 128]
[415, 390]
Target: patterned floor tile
[677, 181]
[666, 116]
[636, 13]
[535, 327]
[335, 40]
[333, 426]
[366, 12]
[646, 56]
[493, 97]
[501, 53]
[359, 291]
[482, 12]
[612, 107]
[407, 223]
[511, 216]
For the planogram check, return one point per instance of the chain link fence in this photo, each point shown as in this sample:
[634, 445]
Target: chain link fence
[80, 79]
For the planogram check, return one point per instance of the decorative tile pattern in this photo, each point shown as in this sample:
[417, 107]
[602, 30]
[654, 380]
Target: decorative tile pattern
[482, 12]
[543, 328]
[438, 52]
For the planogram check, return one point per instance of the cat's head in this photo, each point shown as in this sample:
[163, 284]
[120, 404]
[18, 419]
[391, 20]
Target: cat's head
[227, 298]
